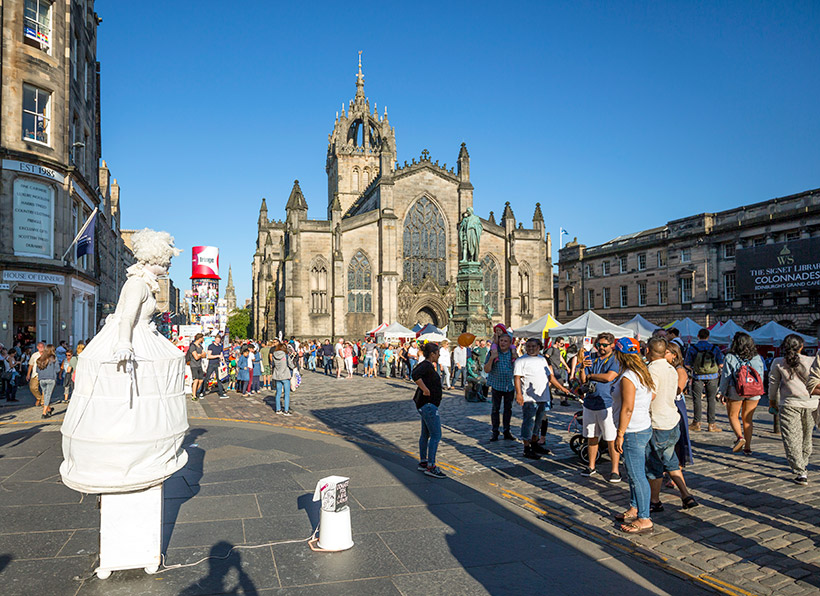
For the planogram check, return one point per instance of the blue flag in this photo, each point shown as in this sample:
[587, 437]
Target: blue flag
[85, 243]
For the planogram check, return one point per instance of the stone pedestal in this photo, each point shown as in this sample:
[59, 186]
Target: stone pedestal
[469, 313]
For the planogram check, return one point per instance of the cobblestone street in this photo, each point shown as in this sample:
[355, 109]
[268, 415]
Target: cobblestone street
[754, 532]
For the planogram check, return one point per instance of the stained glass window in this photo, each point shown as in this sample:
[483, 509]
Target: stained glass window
[425, 244]
[359, 288]
[489, 272]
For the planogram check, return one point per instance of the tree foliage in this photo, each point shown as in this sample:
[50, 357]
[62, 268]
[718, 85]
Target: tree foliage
[239, 323]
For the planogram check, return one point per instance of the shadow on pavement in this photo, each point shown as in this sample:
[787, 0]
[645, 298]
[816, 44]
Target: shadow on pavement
[222, 561]
[188, 478]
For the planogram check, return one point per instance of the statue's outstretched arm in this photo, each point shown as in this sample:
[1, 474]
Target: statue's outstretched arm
[134, 294]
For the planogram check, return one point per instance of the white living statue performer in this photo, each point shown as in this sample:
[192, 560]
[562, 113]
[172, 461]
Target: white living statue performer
[127, 417]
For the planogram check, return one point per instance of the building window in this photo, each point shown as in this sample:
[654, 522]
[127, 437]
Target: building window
[590, 299]
[566, 274]
[37, 24]
[622, 263]
[685, 255]
[74, 43]
[685, 290]
[36, 114]
[792, 236]
[663, 291]
[318, 287]
[489, 273]
[729, 286]
[729, 250]
[568, 299]
[661, 258]
[524, 291]
[355, 179]
[641, 293]
[642, 261]
[425, 244]
[605, 298]
[588, 271]
[624, 296]
[759, 241]
[605, 268]
[359, 293]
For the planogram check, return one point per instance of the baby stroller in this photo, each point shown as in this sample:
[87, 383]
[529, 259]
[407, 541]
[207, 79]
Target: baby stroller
[577, 442]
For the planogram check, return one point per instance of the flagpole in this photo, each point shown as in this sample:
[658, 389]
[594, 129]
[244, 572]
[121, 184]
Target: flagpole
[80, 233]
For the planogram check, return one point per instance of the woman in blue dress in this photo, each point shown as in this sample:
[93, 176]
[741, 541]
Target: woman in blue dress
[243, 374]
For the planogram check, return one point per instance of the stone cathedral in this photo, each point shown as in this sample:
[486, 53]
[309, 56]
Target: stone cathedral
[388, 250]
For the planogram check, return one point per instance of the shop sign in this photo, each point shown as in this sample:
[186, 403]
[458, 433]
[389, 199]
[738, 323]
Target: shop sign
[34, 169]
[32, 277]
[5, 286]
[33, 218]
[793, 265]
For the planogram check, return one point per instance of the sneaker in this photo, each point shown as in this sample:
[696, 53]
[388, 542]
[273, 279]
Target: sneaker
[530, 454]
[278, 411]
[538, 448]
[434, 472]
[224, 396]
[422, 466]
[287, 413]
[695, 426]
[614, 478]
[590, 473]
[802, 480]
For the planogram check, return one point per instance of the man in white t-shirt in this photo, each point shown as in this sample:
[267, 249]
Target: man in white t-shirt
[459, 364]
[412, 356]
[339, 357]
[532, 377]
[32, 377]
[444, 364]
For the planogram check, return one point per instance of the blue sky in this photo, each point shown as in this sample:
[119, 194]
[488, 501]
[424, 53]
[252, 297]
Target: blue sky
[614, 116]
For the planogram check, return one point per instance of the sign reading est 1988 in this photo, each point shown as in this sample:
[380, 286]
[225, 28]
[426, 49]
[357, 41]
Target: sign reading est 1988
[792, 265]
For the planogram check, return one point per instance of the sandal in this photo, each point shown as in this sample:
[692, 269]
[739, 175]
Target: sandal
[631, 528]
[626, 519]
[655, 507]
[689, 502]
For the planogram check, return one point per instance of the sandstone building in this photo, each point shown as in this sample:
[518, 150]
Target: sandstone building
[692, 267]
[52, 177]
[388, 250]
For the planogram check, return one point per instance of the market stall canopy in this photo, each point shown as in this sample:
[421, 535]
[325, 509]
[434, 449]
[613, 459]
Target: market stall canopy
[643, 329]
[538, 328]
[688, 329]
[417, 327]
[589, 325]
[376, 330]
[431, 333]
[722, 334]
[772, 334]
[395, 331]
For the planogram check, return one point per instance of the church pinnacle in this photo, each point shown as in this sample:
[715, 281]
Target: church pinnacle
[360, 79]
[230, 292]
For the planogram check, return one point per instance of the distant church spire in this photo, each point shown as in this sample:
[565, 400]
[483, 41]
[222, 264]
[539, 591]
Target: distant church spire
[230, 292]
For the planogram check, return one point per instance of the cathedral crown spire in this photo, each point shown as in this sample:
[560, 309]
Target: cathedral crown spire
[360, 79]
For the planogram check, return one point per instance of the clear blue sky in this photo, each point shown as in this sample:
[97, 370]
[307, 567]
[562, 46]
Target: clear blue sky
[616, 117]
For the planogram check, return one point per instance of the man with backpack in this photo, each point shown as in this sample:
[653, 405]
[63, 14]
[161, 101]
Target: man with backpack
[704, 361]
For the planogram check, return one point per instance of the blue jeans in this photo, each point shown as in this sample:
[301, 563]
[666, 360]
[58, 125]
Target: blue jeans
[411, 362]
[635, 462]
[430, 433]
[460, 372]
[312, 362]
[531, 413]
[660, 452]
[283, 387]
[327, 364]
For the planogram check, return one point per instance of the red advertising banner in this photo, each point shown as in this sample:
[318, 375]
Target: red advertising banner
[205, 262]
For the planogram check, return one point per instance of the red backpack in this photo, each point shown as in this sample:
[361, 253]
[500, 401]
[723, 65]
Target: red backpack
[748, 382]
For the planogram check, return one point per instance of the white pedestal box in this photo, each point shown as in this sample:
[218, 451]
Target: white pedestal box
[130, 531]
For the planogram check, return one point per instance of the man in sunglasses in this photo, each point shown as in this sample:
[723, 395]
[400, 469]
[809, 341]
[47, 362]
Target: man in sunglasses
[600, 373]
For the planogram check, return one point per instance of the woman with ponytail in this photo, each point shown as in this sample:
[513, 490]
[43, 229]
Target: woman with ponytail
[789, 396]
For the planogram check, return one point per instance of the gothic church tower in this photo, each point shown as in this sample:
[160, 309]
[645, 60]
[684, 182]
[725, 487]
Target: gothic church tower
[360, 142]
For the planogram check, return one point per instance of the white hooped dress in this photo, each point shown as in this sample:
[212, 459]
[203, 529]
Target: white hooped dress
[123, 431]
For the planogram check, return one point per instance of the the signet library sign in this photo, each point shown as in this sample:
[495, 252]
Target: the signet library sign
[793, 265]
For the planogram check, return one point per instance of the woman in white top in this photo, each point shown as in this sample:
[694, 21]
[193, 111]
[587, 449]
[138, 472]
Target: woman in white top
[632, 396]
[791, 398]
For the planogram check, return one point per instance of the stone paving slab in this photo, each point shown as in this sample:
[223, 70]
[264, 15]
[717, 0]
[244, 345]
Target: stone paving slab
[424, 536]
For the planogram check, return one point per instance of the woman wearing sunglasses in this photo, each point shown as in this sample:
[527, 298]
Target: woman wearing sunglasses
[631, 397]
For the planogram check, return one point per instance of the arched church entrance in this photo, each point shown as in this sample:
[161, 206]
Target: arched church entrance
[427, 315]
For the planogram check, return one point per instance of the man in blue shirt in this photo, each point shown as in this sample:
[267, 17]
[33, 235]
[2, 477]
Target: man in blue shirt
[704, 361]
[601, 374]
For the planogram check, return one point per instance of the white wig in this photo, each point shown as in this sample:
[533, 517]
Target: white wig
[154, 248]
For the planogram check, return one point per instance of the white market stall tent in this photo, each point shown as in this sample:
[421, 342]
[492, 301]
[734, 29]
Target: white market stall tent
[688, 329]
[643, 329]
[375, 330]
[589, 325]
[538, 328]
[393, 332]
[432, 333]
[772, 334]
[723, 333]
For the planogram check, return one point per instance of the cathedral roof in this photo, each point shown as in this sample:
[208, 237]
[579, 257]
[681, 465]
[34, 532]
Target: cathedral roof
[296, 199]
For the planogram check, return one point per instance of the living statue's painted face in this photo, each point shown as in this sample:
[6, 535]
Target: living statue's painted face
[157, 270]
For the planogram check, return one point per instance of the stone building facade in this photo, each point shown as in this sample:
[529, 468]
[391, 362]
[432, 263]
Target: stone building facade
[687, 268]
[52, 179]
[388, 250]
